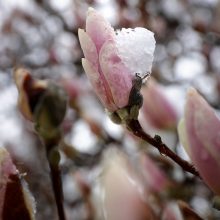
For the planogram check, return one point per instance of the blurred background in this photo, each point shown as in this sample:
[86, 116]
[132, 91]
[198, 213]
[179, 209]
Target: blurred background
[41, 36]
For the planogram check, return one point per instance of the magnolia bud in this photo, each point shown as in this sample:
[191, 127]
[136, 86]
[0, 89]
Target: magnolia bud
[199, 133]
[112, 60]
[50, 111]
[156, 108]
[42, 102]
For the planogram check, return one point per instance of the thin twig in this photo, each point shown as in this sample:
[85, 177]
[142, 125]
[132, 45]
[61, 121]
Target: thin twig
[137, 130]
[57, 189]
[56, 180]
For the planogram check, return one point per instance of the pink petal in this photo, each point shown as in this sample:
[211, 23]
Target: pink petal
[117, 75]
[157, 108]
[88, 48]
[203, 132]
[98, 28]
[99, 85]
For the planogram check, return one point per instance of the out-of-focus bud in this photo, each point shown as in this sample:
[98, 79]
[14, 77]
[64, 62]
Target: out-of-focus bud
[42, 102]
[157, 110]
[112, 59]
[73, 88]
[16, 202]
[179, 211]
[154, 178]
[199, 133]
[121, 191]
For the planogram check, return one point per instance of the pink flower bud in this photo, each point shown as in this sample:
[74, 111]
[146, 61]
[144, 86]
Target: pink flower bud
[73, 87]
[200, 135]
[15, 198]
[113, 58]
[122, 193]
[156, 108]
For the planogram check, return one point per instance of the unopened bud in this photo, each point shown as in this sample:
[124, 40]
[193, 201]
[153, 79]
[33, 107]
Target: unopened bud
[42, 102]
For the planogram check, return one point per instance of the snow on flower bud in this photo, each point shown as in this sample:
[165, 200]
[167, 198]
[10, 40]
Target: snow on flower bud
[200, 135]
[156, 108]
[112, 59]
[121, 190]
[16, 202]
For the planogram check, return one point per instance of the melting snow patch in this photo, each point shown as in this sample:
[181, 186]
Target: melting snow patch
[136, 48]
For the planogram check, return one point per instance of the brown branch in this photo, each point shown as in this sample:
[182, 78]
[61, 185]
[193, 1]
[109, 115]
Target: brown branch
[137, 130]
[53, 158]
[57, 189]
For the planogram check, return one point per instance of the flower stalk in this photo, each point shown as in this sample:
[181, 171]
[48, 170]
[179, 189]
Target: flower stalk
[53, 157]
[44, 103]
[135, 127]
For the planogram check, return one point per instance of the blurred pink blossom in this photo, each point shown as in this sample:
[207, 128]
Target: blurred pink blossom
[199, 133]
[113, 58]
[73, 87]
[154, 178]
[157, 110]
[122, 191]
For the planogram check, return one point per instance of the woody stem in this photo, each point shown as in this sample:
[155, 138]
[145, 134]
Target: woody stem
[156, 141]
